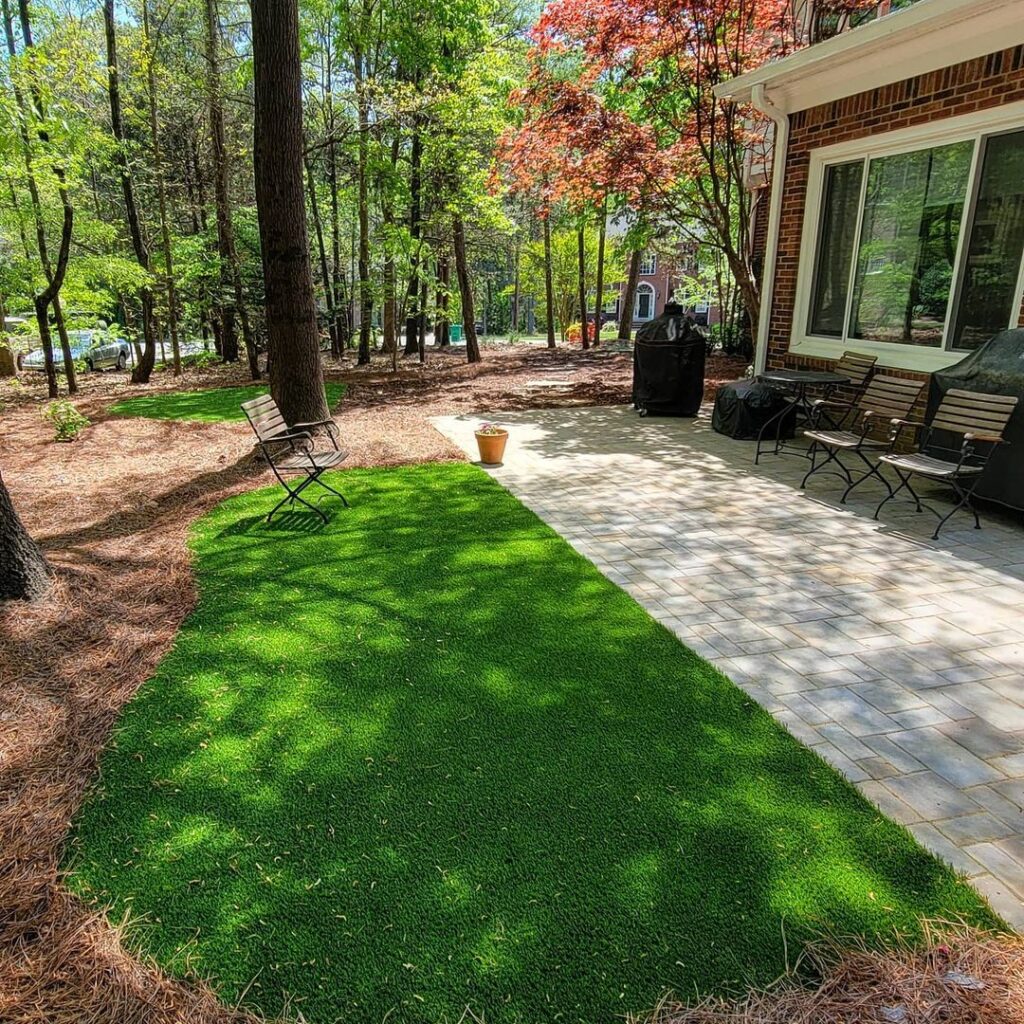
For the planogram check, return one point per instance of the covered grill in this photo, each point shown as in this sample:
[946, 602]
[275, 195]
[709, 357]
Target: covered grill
[996, 368]
[668, 365]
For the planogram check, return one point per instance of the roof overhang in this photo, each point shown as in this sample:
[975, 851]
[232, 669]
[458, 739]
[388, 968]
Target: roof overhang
[930, 35]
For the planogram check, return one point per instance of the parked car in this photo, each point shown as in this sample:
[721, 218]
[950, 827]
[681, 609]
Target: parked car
[99, 350]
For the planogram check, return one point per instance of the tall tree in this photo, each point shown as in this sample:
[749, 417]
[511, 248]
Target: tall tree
[232, 302]
[144, 367]
[161, 188]
[54, 273]
[296, 375]
[24, 573]
[465, 289]
[549, 290]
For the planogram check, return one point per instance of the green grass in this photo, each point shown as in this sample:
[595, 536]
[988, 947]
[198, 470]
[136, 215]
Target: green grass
[427, 757]
[213, 405]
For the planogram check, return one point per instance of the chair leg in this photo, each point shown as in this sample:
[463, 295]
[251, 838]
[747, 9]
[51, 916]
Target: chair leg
[327, 487]
[874, 470]
[832, 455]
[963, 495]
[295, 495]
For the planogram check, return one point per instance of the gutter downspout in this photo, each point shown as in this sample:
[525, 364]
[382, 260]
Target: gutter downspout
[780, 147]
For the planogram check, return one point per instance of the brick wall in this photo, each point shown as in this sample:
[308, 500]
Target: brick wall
[959, 89]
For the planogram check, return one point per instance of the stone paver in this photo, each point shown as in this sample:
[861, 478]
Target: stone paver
[898, 659]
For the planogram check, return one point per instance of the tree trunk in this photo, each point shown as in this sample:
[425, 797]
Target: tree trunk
[365, 296]
[54, 276]
[225, 233]
[293, 345]
[421, 322]
[161, 192]
[465, 290]
[340, 334]
[581, 270]
[390, 318]
[322, 251]
[442, 339]
[629, 297]
[24, 574]
[599, 284]
[144, 366]
[412, 343]
[549, 290]
[65, 345]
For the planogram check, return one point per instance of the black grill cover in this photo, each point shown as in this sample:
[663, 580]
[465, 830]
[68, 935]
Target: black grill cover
[743, 407]
[668, 365]
[996, 368]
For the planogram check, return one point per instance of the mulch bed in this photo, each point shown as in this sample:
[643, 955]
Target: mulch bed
[112, 512]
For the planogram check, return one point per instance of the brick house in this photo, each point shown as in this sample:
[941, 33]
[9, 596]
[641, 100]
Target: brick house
[657, 282]
[893, 223]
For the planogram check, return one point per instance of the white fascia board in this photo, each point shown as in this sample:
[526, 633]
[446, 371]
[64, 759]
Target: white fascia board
[930, 35]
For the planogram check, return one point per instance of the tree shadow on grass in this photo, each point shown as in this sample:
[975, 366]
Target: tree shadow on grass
[441, 764]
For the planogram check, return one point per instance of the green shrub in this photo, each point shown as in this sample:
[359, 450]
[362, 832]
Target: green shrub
[67, 421]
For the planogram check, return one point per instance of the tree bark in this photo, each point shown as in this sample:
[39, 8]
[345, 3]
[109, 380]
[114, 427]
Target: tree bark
[412, 343]
[581, 270]
[161, 192]
[54, 276]
[24, 573]
[322, 251]
[549, 289]
[144, 367]
[465, 290]
[221, 191]
[442, 338]
[365, 295]
[626, 312]
[293, 345]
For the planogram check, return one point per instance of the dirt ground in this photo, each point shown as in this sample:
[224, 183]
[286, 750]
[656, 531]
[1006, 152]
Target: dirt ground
[112, 512]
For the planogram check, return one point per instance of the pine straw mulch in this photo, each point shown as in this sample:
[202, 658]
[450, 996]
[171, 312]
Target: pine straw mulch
[112, 512]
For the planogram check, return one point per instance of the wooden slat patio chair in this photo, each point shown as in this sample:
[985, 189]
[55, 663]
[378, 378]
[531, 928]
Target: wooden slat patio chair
[976, 418]
[859, 368]
[291, 450]
[885, 401]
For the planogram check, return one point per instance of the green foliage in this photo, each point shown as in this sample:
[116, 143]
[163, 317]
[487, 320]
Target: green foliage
[67, 421]
[212, 405]
[398, 773]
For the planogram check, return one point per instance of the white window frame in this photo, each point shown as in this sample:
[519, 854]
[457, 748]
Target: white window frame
[649, 259]
[646, 288]
[968, 127]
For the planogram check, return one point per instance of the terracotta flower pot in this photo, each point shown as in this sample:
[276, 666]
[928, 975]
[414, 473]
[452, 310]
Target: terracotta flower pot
[492, 447]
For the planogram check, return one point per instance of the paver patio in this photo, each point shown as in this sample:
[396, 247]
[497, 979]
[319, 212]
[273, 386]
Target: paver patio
[900, 660]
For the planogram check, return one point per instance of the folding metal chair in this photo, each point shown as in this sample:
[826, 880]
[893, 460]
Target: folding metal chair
[858, 368]
[291, 450]
[979, 420]
[885, 400]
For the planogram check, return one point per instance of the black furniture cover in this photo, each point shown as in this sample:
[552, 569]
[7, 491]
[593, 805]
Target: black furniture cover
[743, 407]
[668, 365]
[996, 368]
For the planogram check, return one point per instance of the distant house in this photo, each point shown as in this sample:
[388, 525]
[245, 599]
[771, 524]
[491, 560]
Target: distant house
[657, 283]
[895, 224]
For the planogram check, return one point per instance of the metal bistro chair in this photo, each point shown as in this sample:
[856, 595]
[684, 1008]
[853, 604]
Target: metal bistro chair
[980, 420]
[885, 400]
[290, 450]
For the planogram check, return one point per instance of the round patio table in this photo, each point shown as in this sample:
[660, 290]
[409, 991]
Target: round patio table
[795, 384]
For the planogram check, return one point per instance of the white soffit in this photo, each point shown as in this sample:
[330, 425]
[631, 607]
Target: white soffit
[930, 35]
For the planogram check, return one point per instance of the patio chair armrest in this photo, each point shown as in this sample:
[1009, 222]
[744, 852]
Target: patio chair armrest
[290, 435]
[333, 431]
[987, 438]
[898, 426]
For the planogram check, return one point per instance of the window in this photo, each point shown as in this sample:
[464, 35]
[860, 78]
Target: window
[648, 264]
[701, 307]
[643, 307]
[922, 246]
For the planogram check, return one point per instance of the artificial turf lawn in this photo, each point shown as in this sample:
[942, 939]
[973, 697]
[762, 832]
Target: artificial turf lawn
[427, 757]
[212, 405]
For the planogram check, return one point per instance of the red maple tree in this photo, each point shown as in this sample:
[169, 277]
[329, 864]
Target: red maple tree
[619, 101]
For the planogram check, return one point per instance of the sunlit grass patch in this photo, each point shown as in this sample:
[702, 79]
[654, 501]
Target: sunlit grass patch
[210, 405]
[426, 757]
